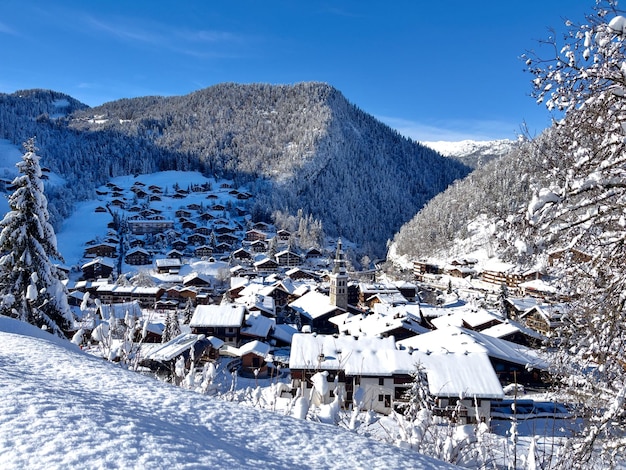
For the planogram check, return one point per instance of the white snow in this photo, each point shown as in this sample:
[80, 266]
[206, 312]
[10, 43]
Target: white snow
[62, 408]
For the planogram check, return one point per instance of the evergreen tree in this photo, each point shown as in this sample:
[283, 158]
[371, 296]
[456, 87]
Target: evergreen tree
[188, 311]
[167, 331]
[30, 284]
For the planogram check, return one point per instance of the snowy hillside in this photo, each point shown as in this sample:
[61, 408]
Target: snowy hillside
[472, 152]
[62, 408]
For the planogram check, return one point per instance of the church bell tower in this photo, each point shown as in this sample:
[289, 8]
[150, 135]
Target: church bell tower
[339, 280]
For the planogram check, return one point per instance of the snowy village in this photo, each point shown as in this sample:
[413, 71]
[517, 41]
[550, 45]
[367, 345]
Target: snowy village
[238, 270]
[173, 279]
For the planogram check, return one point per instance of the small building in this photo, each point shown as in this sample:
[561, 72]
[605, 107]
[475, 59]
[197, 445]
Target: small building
[288, 258]
[138, 257]
[98, 268]
[107, 250]
[168, 265]
[223, 321]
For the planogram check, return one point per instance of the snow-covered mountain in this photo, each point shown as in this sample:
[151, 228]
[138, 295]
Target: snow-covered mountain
[472, 214]
[62, 408]
[301, 146]
[473, 153]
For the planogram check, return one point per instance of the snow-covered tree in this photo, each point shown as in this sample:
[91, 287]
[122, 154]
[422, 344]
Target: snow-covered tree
[582, 216]
[30, 283]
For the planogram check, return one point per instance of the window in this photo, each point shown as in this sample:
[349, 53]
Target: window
[381, 381]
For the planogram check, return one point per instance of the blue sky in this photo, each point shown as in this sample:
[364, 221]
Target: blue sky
[446, 70]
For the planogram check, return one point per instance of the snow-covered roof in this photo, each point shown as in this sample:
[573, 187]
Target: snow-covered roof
[472, 317]
[255, 347]
[223, 315]
[173, 348]
[381, 322]
[283, 332]
[460, 340]
[168, 262]
[257, 325]
[313, 305]
[365, 356]
[102, 261]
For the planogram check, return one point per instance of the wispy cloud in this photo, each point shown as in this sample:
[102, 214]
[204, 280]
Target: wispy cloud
[453, 130]
[5, 29]
[197, 43]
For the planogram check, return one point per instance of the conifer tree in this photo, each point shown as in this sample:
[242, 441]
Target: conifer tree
[30, 284]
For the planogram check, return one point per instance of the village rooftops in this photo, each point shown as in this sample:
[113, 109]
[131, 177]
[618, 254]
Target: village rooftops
[223, 315]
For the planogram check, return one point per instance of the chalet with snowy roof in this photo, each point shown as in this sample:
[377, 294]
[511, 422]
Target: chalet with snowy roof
[168, 265]
[174, 254]
[545, 318]
[143, 226]
[242, 255]
[227, 238]
[372, 372]
[266, 266]
[258, 246]
[262, 226]
[138, 257]
[369, 291]
[199, 280]
[223, 321]
[107, 250]
[258, 303]
[221, 248]
[407, 289]
[315, 310]
[570, 255]
[179, 244]
[112, 293]
[398, 321]
[206, 231]
[500, 273]
[203, 251]
[154, 198]
[189, 225]
[283, 235]
[256, 327]
[254, 235]
[165, 357]
[422, 267]
[197, 239]
[288, 258]
[181, 293]
[253, 359]
[101, 209]
[118, 203]
[194, 207]
[97, 269]
[298, 274]
[538, 288]
[510, 362]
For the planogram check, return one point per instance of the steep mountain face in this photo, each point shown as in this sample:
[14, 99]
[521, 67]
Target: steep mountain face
[475, 213]
[474, 153]
[297, 146]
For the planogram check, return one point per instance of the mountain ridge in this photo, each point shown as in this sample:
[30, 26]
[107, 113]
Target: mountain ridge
[302, 146]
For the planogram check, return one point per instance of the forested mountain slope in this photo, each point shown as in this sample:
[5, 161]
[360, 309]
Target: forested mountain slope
[476, 212]
[295, 146]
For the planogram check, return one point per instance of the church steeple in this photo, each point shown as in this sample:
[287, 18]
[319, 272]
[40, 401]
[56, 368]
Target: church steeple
[339, 280]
